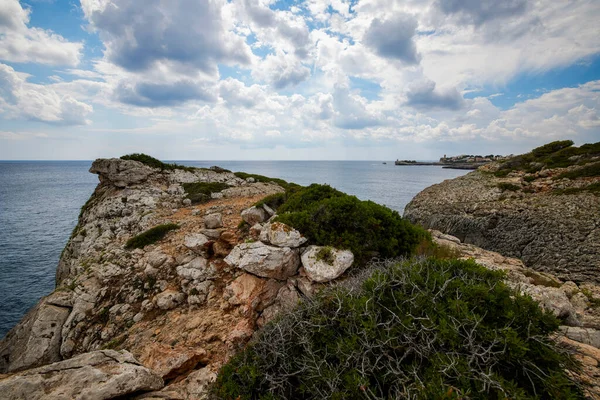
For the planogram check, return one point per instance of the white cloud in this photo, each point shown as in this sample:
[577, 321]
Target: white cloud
[20, 99]
[20, 43]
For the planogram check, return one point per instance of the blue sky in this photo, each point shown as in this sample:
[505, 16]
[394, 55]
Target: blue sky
[295, 79]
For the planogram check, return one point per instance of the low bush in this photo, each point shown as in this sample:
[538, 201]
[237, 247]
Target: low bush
[200, 192]
[328, 217]
[426, 329]
[508, 186]
[592, 188]
[266, 179]
[154, 163]
[150, 236]
[586, 171]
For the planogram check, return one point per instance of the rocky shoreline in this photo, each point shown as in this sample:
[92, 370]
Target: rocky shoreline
[158, 322]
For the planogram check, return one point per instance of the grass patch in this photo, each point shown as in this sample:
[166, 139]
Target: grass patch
[426, 329]
[155, 163]
[428, 248]
[559, 154]
[504, 186]
[260, 178]
[593, 188]
[326, 255]
[150, 236]
[328, 217]
[200, 192]
[586, 171]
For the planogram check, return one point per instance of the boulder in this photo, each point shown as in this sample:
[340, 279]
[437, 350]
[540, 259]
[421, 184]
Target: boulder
[281, 235]
[121, 173]
[197, 269]
[196, 242]
[254, 215]
[169, 363]
[323, 264]
[265, 261]
[582, 335]
[252, 291]
[554, 300]
[103, 374]
[36, 340]
[213, 234]
[169, 299]
[213, 221]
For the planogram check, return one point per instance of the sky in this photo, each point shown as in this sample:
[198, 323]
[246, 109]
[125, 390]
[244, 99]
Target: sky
[296, 79]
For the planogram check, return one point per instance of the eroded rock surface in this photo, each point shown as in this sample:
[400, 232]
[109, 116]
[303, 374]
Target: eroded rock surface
[559, 234]
[265, 261]
[324, 264]
[98, 375]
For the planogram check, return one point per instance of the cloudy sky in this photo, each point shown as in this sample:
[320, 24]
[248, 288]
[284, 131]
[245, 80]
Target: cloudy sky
[295, 79]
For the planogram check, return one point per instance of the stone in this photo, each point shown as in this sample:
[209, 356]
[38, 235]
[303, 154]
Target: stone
[281, 235]
[197, 269]
[229, 237]
[255, 231]
[213, 234]
[582, 335]
[324, 264]
[169, 363]
[221, 249]
[98, 375]
[570, 288]
[269, 210]
[554, 300]
[196, 242]
[156, 258]
[121, 173]
[169, 299]
[213, 221]
[37, 338]
[264, 261]
[186, 202]
[254, 215]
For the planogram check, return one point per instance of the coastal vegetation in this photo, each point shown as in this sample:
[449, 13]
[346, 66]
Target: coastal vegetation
[558, 154]
[154, 163]
[328, 217]
[200, 192]
[419, 329]
[150, 236]
[261, 178]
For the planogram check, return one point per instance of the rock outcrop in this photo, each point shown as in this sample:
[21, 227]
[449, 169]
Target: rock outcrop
[98, 375]
[323, 264]
[550, 232]
[265, 261]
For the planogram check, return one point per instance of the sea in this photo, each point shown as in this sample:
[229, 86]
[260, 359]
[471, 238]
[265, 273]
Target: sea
[40, 202]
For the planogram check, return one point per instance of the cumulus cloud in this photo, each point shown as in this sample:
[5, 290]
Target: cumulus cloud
[393, 38]
[150, 94]
[479, 11]
[425, 96]
[20, 99]
[20, 43]
[281, 70]
[190, 35]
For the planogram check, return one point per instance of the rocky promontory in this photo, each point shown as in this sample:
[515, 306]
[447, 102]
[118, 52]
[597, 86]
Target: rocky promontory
[546, 215]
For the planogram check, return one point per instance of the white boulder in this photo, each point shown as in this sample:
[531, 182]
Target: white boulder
[281, 235]
[254, 215]
[323, 264]
[265, 261]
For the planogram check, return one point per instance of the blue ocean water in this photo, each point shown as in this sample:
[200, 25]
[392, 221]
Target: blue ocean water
[40, 202]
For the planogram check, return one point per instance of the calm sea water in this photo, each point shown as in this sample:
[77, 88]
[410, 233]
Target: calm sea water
[40, 202]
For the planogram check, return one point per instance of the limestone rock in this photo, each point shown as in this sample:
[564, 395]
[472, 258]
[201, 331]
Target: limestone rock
[281, 235]
[196, 242]
[265, 261]
[169, 299]
[321, 267]
[104, 374]
[170, 363]
[197, 269]
[121, 173]
[213, 234]
[36, 340]
[254, 215]
[213, 221]
[582, 335]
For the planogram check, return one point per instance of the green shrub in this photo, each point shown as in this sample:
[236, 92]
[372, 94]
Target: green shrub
[266, 179]
[426, 329]
[508, 186]
[592, 188]
[550, 148]
[154, 163]
[150, 236]
[583, 172]
[200, 192]
[328, 217]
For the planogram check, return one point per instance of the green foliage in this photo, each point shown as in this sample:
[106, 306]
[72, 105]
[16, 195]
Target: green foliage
[588, 170]
[150, 236]
[427, 248]
[154, 163]
[199, 192]
[592, 188]
[261, 178]
[508, 186]
[328, 217]
[325, 254]
[559, 154]
[426, 329]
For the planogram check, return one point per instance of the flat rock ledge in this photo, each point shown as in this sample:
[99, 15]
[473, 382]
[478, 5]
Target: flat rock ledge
[98, 375]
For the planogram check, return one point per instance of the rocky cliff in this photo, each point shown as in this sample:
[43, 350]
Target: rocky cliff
[159, 320]
[177, 307]
[552, 224]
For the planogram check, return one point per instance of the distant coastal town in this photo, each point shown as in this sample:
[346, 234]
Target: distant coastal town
[464, 161]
